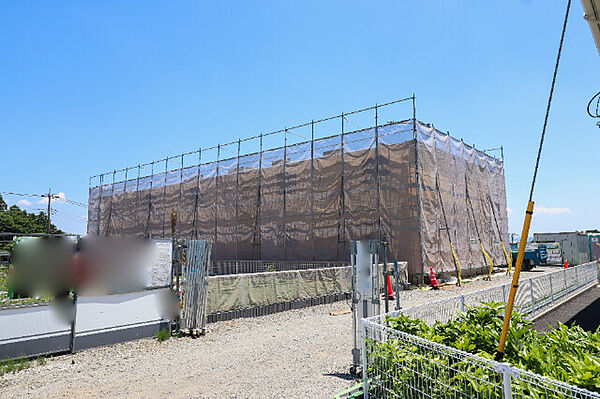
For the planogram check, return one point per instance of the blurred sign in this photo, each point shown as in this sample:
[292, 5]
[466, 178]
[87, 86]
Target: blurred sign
[160, 273]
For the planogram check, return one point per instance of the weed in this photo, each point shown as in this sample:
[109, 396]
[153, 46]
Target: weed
[13, 365]
[270, 268]
[41, 360]
[162, 335]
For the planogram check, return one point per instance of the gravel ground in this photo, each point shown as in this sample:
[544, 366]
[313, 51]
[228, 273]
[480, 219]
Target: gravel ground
[296, 354]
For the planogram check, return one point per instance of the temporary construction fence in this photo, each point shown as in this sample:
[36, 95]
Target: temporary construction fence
[401, 365]
[257, 294]
[247, 291]
[274, 197]
[533, 295]
[224, 267]
[195, 284]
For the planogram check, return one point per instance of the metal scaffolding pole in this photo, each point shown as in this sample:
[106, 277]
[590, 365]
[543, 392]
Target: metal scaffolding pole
[284, 195]
[377, 175]
[312, 190]
[165, 198]
[137, 196]
[237, 206]
[194, 234]
[147, 232]
[342, 202]
[98, 227]
[121, 212]
[257, 238]
[418, 181]
[110, 206]
[215, 246]
[180, 204]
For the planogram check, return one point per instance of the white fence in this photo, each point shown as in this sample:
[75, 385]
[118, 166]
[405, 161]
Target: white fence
[400, 365]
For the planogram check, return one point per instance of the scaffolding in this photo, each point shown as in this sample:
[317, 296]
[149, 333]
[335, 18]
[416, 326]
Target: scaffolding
[291, 196]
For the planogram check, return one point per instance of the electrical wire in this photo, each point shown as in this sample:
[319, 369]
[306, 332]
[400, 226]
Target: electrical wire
[562, 39]
[530, 205]
[596, 114]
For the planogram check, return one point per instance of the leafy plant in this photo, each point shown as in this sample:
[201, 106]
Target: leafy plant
[567, 354]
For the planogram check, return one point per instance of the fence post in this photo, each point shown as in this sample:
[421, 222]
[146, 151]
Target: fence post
[363, 337]
[576, 277]
[504, 293]
[462, 303]
[565, 278]
[506, 380]
[531, 294]
[551, 290]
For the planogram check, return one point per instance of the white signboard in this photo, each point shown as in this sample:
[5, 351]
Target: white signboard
[160, 273]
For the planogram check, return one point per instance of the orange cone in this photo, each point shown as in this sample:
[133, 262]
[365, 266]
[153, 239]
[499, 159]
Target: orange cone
[434, 283]
[390, 292]
[566, 263]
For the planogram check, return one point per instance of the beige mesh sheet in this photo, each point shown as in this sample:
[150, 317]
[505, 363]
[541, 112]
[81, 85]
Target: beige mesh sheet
[249, 290]
[459, 168]
[307, 201]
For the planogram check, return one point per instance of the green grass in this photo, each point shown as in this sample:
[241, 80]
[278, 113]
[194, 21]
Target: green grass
[162, 335]
[13, 365]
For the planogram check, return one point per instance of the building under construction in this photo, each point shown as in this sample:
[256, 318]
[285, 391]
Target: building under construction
[423, 190]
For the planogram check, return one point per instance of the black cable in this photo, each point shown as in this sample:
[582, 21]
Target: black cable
[597, 98]
[562, 39]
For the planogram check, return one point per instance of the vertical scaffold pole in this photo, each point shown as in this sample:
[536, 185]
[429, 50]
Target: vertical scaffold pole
[418, 181]
[284, 195]
[237, 205]
[147, 233]
[215, 246]
[165, 197]
[342, 230]
[197, 196]
[257, 239]
[110, 206]
[123, 202]
[312, 189]
[98, 228]
[180, 205]
[137, 199]
[377, 175]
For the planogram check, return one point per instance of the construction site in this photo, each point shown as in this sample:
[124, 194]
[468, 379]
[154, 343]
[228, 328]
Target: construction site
[439, 202]
[365, 254]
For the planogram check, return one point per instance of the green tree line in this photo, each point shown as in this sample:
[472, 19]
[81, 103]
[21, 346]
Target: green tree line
[15, 220]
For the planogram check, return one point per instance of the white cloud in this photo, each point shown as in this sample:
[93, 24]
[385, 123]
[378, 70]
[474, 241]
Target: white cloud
[61, 198]
[542, 210]
[24, 202]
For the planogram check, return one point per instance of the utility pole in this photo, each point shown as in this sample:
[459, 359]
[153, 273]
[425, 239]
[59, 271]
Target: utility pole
[49, 201]
[50, 198]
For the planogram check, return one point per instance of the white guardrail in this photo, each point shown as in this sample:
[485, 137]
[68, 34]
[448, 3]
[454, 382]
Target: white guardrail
[408, 366]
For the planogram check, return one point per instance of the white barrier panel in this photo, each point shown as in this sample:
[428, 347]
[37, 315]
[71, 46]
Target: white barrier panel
[97, 313]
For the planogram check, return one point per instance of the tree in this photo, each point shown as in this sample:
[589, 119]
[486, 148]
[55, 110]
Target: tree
[16, 220]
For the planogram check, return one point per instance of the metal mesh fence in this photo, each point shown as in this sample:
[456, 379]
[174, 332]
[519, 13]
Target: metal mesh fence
[274, 197]
[400, 365]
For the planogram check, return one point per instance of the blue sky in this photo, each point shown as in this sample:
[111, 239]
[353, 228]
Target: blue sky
[88, 87]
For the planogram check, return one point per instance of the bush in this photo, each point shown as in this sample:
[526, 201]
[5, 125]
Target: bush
[567, 354]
